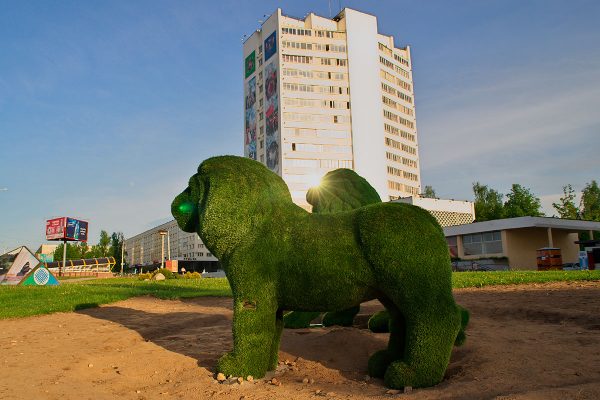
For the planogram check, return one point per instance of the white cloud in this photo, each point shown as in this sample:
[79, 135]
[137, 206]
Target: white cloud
[548, 199]
[486, 121]
[535, 126]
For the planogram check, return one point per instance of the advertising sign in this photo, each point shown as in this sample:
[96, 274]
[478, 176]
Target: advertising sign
[40, 276]
[270, 46]
[46, 258]
[55, 228]
[76, 230]
[250, 64]
[24, 261]
[66, 228]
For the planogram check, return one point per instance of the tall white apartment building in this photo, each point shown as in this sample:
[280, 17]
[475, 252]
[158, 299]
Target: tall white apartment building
[322, 94]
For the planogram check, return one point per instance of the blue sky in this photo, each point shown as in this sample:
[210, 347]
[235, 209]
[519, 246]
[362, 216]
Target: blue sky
[107, 107]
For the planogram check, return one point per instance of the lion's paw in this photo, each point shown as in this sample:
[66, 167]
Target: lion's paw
[399, 375]
[379, 362]
[230, 364]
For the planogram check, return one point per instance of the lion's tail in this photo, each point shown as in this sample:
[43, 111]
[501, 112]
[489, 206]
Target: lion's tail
[461, 337]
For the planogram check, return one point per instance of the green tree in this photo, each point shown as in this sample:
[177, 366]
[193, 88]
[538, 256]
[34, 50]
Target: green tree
[117, 239]
[429, 193]
[102, 250]
[566, 207]
[73, 252]
[522, 203]
[590, 202]
[488, 203]
[84, 250]
[590, 207]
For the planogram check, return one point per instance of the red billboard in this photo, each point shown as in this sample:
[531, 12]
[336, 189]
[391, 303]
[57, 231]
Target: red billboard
[55, 228]
[66, 228]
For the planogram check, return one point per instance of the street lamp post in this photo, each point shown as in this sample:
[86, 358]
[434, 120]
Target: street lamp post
[162, 234]
[168, 246]
[122, 254]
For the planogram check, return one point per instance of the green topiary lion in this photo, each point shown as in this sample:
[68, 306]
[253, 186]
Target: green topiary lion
[339, 190]
[278, 257]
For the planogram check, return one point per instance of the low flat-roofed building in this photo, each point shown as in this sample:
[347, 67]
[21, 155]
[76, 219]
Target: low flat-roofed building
[517, 239]
[446, 212]
[45, 253]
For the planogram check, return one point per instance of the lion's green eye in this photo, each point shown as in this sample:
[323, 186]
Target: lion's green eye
[186, 207]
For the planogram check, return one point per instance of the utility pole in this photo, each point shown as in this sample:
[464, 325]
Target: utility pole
[64, 258]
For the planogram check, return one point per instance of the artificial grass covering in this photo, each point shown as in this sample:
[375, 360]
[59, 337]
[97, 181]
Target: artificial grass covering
[338, 191]
[279, 257]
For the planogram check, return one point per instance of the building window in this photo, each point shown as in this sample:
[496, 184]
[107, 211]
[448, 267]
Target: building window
[482, 243]
[452, 246]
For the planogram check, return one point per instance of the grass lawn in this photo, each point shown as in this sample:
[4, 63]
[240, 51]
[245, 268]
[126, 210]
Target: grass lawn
[24, 301]
[480, 279]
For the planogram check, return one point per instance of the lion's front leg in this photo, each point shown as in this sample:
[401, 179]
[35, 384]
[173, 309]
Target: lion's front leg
[255, 337]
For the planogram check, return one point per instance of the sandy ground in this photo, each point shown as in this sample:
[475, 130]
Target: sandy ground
[524, 342]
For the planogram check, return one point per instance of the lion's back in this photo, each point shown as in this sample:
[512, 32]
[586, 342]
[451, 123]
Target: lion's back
[401, 240]
[324, 258]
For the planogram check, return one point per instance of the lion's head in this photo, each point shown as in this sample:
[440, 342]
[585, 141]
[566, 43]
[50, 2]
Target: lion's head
[227, 199]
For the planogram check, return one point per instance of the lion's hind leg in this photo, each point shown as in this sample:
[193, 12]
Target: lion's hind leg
[379, 361]
[274, 354]
[430, 333]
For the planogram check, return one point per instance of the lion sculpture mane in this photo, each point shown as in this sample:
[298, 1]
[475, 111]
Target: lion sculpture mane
[278, 257]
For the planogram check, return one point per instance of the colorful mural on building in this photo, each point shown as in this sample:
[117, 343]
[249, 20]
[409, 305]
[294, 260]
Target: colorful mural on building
[250, 119]
[272, 117]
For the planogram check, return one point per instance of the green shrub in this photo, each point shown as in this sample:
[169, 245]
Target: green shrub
[192, 275]
[341, 318]
[167, 273]
[279, 257]
[378, 322]
[143, 277]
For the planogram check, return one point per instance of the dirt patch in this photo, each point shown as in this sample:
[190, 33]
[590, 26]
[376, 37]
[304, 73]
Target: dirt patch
[524, 342]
